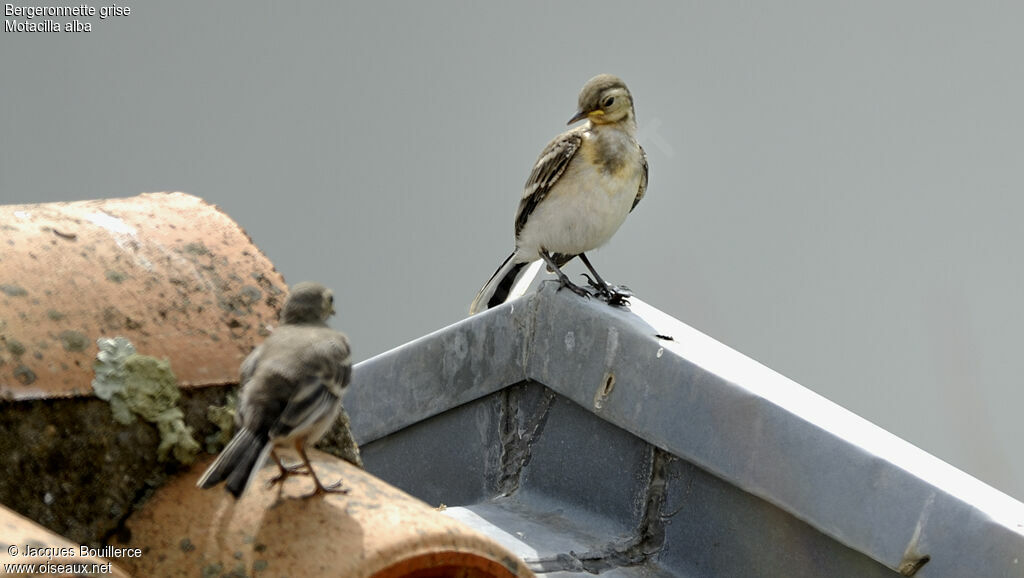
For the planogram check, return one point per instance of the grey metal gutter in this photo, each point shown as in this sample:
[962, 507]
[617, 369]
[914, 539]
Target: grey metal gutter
[697, 399]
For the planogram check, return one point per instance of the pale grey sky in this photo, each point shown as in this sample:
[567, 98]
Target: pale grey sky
[835, 187]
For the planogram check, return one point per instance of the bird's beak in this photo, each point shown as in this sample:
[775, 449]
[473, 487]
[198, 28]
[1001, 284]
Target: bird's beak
[580, 115]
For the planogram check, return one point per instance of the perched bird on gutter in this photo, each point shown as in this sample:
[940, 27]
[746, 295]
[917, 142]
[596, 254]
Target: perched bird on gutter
[581, 189]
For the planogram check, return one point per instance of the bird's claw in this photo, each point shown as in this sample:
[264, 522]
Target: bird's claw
[566, 284]
[616, 295]
[601, 289]
[286, 472]
[334, 488]
[619, 295]
[619, 298]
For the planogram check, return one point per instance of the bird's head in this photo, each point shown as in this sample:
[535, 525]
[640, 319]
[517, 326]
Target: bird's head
[604, 99]
[308, 302]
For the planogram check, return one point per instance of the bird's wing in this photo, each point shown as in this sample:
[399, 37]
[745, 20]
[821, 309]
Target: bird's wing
[643, 181]
[313, 397]
[325, 374]
[249, 365]
[546, 172]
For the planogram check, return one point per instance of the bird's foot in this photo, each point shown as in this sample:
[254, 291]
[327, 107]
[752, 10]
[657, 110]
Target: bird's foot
[565, 283]
[600, 290]
[334, 488]
[284, 472]
[619, 297]
[614, 295]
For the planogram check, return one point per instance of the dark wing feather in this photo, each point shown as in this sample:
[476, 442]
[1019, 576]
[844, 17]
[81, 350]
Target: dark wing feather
[545, 174]
[326, 373]
[312, 400]
[643, 182]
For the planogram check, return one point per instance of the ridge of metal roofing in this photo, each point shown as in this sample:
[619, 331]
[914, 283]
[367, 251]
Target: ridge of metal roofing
[684, 392]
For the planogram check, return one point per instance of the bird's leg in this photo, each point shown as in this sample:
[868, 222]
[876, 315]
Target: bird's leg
[563, 280]
[334, 488]
[285, 471]
[597, 282]
[615, 295]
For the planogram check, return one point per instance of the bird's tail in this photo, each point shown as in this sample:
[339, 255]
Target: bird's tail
[502, 285]
[238, 463]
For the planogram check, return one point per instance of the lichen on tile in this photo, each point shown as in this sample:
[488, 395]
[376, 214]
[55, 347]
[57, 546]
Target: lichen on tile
[222, 416]
[144, 386]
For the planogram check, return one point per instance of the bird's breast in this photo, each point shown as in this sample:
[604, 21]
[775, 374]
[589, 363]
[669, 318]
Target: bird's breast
[612, 151]
[588, 203]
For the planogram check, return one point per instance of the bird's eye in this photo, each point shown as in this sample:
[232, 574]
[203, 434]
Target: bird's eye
[330, 299]
[609, 101]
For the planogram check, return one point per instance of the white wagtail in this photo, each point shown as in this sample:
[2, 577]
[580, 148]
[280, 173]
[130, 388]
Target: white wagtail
[581, 189]
[291, 393]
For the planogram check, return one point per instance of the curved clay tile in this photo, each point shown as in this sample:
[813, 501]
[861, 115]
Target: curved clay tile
[28, 549]
[169, 271]
[373, 531]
